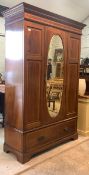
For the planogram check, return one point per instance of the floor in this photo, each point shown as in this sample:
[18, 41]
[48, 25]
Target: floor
[74, 161]
[62, 160]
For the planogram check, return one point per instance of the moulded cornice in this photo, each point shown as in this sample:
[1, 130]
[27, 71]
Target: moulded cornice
[24, 7]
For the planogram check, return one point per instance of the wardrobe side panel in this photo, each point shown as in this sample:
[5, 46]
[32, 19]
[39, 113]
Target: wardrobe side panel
[14, 78]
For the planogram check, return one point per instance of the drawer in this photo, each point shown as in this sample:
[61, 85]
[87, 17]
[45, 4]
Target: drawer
[50, 134]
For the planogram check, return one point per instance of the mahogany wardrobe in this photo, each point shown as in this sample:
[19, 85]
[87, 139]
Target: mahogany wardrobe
[42, 71]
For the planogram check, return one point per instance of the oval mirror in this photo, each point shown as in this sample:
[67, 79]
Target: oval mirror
[55, 76]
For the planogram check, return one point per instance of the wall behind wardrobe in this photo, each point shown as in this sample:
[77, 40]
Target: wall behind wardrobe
[85, 40]
[2, 45]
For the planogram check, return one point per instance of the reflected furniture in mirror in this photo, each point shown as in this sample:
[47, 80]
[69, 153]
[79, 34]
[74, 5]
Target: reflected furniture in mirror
[54, 91]
[41, 111]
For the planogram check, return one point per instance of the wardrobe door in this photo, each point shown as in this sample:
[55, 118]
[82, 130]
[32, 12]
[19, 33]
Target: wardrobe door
[72, 74]
[34, 54]
[54, 84]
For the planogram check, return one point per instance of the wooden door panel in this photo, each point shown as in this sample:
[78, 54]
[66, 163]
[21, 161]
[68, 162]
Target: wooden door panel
[72, 75]
[34, 39]
[72, 83]
[74, 48]
[33, 90]
[34, 59]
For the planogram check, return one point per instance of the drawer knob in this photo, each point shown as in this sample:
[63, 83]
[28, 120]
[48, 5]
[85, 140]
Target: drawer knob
[67, 129]
[41, 138]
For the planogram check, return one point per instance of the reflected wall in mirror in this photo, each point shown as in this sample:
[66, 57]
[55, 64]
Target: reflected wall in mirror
[55, 76]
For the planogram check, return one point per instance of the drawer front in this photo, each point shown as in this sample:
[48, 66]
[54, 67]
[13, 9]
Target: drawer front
[47, 135]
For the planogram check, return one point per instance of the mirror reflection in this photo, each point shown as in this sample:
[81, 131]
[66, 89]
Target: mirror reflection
[54, 79]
